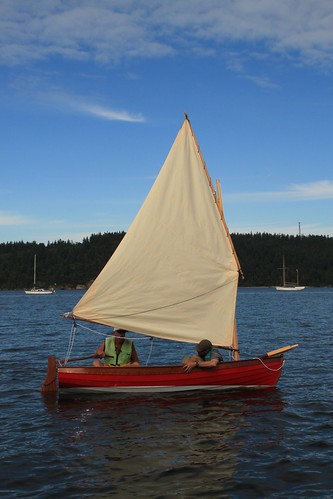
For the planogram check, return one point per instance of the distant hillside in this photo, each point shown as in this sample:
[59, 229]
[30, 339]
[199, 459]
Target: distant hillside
[68, 265]
[261, 256]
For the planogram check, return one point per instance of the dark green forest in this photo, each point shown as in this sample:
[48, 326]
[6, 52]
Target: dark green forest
[68, 265]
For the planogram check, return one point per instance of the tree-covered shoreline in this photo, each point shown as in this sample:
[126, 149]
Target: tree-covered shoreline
[69, 265]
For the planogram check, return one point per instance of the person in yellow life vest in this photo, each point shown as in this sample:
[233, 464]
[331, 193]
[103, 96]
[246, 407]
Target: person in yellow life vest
[117, 351]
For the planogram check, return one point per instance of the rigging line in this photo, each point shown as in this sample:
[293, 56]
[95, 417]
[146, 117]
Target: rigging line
[92, 330]
[269, 368]
[171, 304]
[231, 355]
[150, 351]
[108, 334]
[71, 342]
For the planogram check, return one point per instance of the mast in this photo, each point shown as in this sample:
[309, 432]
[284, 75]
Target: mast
[283, 272]
[217, 199]
[234, 339]
[218, 202]
[220, 206]
[35, 265]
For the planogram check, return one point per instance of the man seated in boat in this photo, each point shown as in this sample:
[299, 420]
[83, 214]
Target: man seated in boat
[207, 356]
[117, 351]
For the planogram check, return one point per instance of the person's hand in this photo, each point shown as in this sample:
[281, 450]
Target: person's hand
[188, 367]
[99, 354]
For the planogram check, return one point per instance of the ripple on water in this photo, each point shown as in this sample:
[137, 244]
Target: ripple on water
[266, 443]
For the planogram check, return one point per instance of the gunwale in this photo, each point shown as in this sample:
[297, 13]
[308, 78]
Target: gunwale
[251, 373]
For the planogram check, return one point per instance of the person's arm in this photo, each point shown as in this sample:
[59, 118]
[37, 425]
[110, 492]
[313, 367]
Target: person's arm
[100, 351]
[200, 363]
[135, 357]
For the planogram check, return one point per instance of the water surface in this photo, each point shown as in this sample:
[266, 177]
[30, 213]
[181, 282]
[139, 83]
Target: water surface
[265, 443]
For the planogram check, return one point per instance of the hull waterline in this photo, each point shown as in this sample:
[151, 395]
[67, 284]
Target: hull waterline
[38, 292]
[290, 288]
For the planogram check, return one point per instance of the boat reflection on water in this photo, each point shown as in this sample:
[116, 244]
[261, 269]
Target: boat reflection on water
[123, 440]
[266, 398]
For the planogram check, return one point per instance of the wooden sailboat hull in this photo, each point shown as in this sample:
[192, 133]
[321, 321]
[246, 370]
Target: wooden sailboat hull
[255, 373]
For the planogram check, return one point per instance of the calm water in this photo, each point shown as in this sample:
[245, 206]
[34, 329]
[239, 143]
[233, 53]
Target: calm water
[269, 443]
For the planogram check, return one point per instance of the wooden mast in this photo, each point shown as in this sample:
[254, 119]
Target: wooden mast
[234, 339]
[217, 199]
[218, 202]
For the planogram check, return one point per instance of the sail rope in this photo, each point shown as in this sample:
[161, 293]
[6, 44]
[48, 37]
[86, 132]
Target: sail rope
[92, 330]
[269, 368]
[72, 339]
[70, 342]
[108, 334]
[150, 350]
[73, 332]
[231, 355]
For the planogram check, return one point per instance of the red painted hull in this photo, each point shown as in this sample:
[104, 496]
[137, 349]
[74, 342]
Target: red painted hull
[253, 373]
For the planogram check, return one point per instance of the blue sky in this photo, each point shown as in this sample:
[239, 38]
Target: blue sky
[93, 95]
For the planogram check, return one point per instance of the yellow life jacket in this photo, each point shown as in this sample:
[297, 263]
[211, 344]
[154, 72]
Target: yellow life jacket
[124, 356]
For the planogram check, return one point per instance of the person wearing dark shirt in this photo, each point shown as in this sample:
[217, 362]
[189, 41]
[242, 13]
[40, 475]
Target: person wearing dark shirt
[207, 356]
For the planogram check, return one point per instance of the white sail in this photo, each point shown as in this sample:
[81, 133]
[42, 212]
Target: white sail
[174, 275]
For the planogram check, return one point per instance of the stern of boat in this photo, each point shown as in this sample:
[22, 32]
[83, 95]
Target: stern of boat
[50, 385]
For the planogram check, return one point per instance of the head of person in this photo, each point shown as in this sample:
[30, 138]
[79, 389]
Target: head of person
[203, 347]
[119, 334]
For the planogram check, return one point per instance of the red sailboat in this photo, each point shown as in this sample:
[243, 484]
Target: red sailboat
[173, 276]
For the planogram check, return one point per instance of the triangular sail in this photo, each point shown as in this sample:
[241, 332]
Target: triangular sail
[174, 274]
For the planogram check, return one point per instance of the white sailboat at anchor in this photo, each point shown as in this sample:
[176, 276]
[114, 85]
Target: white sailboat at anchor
[38, 291]
[289, 286]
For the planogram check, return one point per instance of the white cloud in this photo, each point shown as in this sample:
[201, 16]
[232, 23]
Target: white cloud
[9, 219]
[108, 114]
[83, 105]
[317, 190]
[110, 31]
[320, 190]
